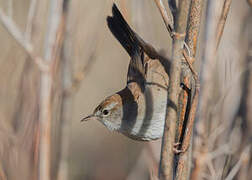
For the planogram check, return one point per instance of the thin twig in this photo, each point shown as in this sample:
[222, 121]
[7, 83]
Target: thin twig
[67, 101]
[45, 115]
[167, 17]
[79, 76]
[167, 153]
[14, 31]
[211, 169]
[244, 157]
[222, 21]
[223, 149]
[11, 27]
[188, 60]
[31, 14]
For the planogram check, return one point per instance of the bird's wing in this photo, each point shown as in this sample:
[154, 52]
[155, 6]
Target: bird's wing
[138, 50]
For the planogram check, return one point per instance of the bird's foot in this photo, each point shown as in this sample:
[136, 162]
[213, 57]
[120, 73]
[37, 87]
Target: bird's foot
[176, 145]
[176, 149]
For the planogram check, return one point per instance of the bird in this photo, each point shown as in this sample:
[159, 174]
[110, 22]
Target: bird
[138, 110]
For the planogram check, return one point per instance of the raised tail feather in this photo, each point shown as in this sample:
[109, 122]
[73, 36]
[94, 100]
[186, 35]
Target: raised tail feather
[126, 36]
[123, 33]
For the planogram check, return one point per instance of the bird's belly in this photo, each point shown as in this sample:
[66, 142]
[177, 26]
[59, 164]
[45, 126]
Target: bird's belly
[149, 124]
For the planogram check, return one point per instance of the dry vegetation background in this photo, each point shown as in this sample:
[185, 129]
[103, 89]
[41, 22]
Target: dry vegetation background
[98, 66]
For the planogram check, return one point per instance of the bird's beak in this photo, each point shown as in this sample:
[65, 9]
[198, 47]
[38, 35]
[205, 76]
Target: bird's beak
[91, 116]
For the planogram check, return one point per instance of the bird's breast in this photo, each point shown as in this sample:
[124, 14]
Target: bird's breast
[147, 123]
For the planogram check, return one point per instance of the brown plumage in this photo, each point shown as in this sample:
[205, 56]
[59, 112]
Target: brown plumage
[138, 110]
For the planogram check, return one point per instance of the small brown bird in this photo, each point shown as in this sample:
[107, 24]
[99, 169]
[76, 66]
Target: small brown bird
[137, 111]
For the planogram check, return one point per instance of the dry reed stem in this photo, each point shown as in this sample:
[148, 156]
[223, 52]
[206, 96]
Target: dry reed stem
[45, 116]
[199, 161]
[66, 105]
[18, 36]
[244, 157]
[166, 15]
[167, 153]
[183, 168]
[222, 21]
[194, 27]
[81, 74]
[30, 19]
[208, 65]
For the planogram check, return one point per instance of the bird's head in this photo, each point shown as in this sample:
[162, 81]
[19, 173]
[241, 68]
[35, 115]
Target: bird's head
[109, 112]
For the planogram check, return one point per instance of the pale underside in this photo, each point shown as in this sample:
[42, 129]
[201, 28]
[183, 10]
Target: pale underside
[147, 123]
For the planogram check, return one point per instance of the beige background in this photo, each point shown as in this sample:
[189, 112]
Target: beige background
[96, 153]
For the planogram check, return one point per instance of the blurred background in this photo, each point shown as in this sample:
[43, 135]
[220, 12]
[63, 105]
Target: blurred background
[96, 65]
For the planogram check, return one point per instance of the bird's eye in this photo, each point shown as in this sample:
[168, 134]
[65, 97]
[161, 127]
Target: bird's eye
[105, 112]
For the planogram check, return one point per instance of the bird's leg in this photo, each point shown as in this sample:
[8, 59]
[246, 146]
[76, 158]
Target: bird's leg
[192, 112]
[185, 97]
[178, 151]
[185, 87]
[176, 144]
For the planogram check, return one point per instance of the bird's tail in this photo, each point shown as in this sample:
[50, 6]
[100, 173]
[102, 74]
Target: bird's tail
[126, 36]
[122, 31]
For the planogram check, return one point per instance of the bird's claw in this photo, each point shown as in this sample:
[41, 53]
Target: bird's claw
[176, 150]
[176, 144]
